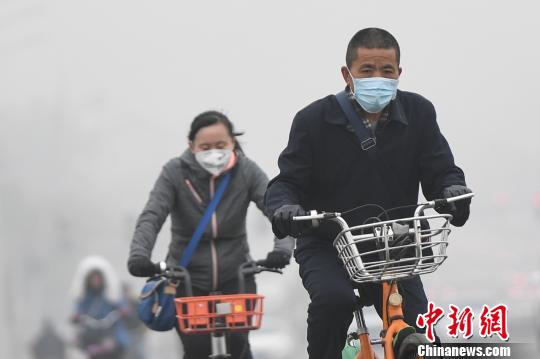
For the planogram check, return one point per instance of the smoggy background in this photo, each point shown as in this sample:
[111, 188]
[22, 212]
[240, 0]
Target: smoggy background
[95, 96]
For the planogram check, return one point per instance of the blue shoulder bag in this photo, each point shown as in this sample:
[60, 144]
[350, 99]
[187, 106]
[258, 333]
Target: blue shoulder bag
[156, 306]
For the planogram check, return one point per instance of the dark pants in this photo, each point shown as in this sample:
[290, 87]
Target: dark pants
[198, 346]
[333, 300]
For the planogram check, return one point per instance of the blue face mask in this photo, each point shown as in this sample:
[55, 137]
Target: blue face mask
[374, 93]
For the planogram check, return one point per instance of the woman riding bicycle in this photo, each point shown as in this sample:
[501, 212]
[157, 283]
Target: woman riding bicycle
[184, 189]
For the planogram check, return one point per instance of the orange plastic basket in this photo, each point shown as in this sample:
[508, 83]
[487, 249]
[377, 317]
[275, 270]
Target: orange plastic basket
[232, 312]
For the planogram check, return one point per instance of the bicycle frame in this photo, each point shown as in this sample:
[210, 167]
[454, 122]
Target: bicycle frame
[393, 323]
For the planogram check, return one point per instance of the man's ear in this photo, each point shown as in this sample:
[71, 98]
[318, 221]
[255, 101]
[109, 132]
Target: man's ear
[346, 76]
[399, 70]
[191, 146]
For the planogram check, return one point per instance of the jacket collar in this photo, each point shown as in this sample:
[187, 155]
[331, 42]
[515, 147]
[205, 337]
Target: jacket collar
[396, 112]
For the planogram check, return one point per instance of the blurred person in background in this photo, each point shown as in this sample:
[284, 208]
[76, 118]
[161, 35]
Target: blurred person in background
[183, 190]
[99, 309]
[49, 344]
[136, 329]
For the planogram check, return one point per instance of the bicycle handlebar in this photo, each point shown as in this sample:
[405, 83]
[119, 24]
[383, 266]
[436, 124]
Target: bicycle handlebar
[253, 267]
[440, 203]
[178, 273]
[436, 204]
[398, 243]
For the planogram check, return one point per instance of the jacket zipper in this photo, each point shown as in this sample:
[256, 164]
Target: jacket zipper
[213, 249]
[192, 189]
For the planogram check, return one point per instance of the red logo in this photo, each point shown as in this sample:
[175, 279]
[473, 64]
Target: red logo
[429, 319]
[491, 321]
[494, 321]
[461, 322]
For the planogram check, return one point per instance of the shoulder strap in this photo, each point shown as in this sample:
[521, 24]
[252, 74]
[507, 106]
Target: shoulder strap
[368, 143]
[197, 235]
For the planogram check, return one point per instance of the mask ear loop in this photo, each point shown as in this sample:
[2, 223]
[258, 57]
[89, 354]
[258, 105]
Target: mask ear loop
[351, 89]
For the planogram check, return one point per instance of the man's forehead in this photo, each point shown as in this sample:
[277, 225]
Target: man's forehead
[364, 54]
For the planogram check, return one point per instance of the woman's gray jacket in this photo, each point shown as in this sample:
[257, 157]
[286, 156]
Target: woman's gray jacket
[184, 190]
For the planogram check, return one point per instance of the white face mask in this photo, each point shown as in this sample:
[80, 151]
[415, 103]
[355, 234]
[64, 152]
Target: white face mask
[214, 161]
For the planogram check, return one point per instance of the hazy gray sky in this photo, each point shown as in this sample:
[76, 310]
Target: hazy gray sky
[95, 96]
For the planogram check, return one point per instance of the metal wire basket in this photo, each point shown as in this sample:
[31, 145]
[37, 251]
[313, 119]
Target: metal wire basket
[394, 249]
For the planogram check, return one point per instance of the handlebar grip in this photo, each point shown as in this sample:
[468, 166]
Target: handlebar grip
[314, 216]
[442, 202]
[262, 267]
[273, 270]
[460, 197]
[253, 267]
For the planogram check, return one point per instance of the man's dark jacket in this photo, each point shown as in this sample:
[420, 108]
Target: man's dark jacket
[323, 166]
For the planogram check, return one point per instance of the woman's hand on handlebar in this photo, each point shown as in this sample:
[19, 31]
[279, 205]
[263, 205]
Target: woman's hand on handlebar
[276, 259]
[140, 266]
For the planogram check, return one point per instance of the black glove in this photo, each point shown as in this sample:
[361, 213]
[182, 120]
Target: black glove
[140, 266]
[282, 223]
[459, 209]
[277, 259]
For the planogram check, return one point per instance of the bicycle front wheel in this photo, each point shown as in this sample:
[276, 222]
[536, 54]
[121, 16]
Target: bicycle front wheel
[408, 349]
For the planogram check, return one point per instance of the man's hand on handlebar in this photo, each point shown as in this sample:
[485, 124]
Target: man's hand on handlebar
[458, 209]
[140, 266]
[283, 224]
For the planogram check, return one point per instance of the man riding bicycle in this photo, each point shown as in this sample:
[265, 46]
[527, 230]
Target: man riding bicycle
[328, 167]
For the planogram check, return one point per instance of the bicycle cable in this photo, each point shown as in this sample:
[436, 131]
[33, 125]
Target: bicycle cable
[398, 207]
[384, 211]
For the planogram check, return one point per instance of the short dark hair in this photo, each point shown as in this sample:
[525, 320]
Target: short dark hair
[371, 38]
[209, 118]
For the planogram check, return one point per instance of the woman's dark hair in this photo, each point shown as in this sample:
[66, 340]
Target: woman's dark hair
[210, 118]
